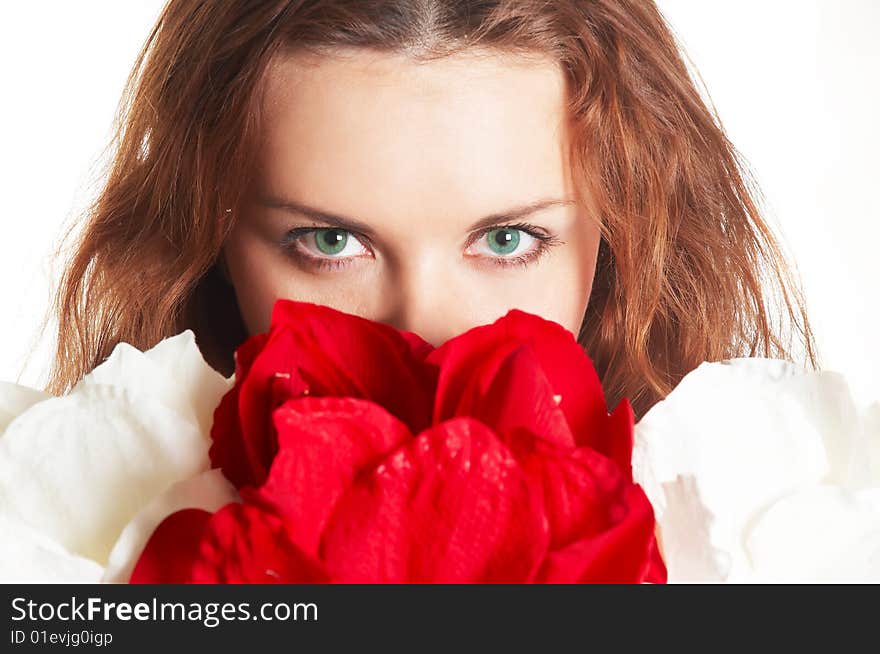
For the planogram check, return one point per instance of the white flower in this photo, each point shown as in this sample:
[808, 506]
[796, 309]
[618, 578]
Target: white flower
[76, 469]
[209, 491]
[14, 399]
[759, 471]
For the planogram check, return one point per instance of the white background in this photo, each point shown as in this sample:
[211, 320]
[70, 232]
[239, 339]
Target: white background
[795, 83]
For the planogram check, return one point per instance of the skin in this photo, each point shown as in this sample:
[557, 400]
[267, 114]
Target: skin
[417, 154]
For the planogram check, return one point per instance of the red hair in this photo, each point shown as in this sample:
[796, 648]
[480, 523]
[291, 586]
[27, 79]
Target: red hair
[688, 270]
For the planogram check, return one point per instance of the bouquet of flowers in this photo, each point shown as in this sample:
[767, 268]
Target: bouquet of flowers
[343, 450]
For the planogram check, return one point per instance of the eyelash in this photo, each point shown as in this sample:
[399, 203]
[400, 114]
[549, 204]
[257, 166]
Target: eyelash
[543, 243]
[290, 239]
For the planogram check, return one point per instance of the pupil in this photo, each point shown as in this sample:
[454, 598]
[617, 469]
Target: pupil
[331, 241]
[331, 238]
[504, 241]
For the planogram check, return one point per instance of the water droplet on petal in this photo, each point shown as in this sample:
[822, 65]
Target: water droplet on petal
[399, 461]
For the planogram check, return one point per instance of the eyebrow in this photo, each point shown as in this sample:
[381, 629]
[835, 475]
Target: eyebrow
[354, 225]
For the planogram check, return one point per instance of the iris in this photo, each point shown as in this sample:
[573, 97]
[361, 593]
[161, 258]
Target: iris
[331, 241]
[503, 240]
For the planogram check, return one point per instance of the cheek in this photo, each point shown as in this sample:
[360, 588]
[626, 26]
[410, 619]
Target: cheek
[260, 274]
[256, 277]
[582, 270]
[564, 290]
[560, 288]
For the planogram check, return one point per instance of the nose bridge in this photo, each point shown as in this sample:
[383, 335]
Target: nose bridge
[422, 299]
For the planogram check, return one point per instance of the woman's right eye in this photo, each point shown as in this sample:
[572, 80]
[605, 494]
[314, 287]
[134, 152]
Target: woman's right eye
[324, 246]
[336, 243]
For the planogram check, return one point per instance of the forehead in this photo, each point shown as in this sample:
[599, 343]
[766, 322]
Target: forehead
[371, 134]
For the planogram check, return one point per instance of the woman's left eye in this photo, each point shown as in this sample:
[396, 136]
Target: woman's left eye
[510, 245]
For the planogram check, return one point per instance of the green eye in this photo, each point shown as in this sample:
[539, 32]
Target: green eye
[331, 241]
[503, 240]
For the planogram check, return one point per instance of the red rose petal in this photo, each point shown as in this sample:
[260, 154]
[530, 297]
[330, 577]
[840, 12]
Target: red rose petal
[656, 573]
[237, 544]
[323, 444]
[616, 440]
[452, 506]
[228, 450]
[247, 352]
[349, 356]
[525, 478]
[272, 379]
[313, 349]
[620, 554]
[244, 544]
[243, 440]
[418, 347]
[171, 550]
[516, 397]
[578, 488]
[569, 370]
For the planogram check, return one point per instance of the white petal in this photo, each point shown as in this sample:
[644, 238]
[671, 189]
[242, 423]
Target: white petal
[818, 535]
[209, 491]
[75, 470]
[78, 467]
[731, 440]
[173, 372]
[28, 556]
[15, 399]
[866, 472]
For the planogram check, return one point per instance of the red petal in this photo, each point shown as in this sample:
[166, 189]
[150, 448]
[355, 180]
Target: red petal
[313, 349]
[419, 347]
[616, 440]
[452, 506]
[656, 573]
[579, 488]
[228, 450]
[171, 550]
[323, 444]
[515, 398]
[237, 544]
[272, 379]
[243, 439]
[621, 554]
[568, 369]
[349, 356]
[244, 544]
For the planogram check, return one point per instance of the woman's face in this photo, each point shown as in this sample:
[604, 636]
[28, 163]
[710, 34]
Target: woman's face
[432, 197]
